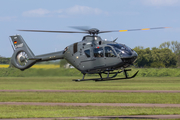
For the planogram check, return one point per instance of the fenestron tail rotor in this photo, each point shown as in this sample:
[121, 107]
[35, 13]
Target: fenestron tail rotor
[93, 31]
[22, 58]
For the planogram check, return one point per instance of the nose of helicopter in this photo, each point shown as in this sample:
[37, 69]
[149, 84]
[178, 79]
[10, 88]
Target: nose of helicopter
[134, 56]
[130, 59]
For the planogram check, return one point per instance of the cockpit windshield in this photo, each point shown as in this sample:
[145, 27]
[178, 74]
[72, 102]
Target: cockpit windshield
[119, 46]
[122, 49]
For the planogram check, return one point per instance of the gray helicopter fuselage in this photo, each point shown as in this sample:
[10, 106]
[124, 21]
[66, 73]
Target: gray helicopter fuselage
[93, 55]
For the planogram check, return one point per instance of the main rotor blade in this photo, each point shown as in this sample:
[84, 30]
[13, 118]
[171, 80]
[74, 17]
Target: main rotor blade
[53, 31]
[90, 31]
[133, 29]
[83, 28]
[143, 29]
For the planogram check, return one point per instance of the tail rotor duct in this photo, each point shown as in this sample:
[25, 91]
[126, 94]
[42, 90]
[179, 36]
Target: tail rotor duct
[22, 58]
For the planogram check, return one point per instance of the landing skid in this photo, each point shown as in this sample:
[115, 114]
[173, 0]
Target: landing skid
[108, 78]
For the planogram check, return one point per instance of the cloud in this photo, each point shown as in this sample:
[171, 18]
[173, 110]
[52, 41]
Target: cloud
[128, 13]
[8, 18]
[160, 2]
[36, 13]
[75, 10]
[84, 10]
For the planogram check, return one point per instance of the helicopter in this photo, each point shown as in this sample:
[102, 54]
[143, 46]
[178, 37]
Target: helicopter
[92, 55]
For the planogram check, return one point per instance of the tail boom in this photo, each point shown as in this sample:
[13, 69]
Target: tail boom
[24, 58]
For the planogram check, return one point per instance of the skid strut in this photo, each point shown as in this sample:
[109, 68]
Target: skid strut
[109, 78]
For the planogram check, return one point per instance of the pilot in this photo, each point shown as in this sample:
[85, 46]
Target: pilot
[100, 54]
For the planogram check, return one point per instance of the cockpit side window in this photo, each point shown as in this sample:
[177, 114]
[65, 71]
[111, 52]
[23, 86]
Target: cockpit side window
[75, 45]
[98, 52]
[87, 53]
[109, 52]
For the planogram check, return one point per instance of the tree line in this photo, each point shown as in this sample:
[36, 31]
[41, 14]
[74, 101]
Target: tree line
[167, 55]
[4, 60]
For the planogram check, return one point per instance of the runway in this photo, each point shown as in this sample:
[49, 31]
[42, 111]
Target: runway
[92, 104]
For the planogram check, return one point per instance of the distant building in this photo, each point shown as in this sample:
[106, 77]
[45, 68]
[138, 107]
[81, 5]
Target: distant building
[68, 66]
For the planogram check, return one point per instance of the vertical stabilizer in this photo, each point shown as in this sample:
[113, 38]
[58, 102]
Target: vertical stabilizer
[22, 53]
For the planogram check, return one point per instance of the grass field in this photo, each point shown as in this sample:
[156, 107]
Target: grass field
[66, 83]
[170, 98]
[59, 72]
[27, 111]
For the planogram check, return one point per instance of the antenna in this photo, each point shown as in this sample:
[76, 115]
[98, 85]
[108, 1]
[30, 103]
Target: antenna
[115, 39]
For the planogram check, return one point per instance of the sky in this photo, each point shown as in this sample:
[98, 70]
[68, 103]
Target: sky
[100, 14]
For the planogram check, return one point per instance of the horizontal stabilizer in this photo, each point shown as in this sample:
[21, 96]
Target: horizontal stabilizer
[35, 58]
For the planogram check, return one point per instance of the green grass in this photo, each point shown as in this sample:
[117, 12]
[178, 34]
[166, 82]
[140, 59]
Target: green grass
[27, 111]
[59, 72]
[66, 83]
[171, 98]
